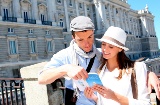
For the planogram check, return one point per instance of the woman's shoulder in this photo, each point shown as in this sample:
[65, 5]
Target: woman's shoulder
[140, 66]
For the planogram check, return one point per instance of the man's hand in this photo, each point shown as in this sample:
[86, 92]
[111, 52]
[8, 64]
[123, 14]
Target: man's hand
[76, 72]
[153, 82]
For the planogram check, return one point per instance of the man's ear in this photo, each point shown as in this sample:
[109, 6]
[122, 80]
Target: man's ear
[73, 38]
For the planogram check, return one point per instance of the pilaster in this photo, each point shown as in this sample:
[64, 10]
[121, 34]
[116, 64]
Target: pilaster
[97, 14]
[34, 10]
[85, 9]
[110, 16]
[129, 25]
[66, 15]
[115, 17]
[76, 2]
[121, 18]
[16, 7]
[50, 11]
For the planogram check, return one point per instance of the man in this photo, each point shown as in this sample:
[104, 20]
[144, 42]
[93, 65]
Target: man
[73, 61]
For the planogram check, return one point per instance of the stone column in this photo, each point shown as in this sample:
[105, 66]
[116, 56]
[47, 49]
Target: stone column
[97, 15]
[125, 23]
[77, 11]
[154, 28]
[85, 9]
[50, 11]
[16, 7]
[66, 15]
[101, 13]
[121, 18]
[146, 25]
[110, 16]
[129, 25]
[143, 26]
[115, 17]
[136, 28]
[34, 9]
[133, 30]
[104, 17]
[149, 27]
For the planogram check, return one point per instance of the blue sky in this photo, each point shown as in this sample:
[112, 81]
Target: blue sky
[154, 6]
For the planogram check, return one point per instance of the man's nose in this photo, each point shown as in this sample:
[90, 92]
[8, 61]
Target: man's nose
[86, 43]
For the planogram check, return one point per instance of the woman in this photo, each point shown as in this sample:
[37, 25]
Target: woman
[115, 72]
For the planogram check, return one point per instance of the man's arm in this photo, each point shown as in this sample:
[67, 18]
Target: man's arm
[153, 82]
[49, 75]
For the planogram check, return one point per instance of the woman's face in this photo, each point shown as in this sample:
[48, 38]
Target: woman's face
[109, 51]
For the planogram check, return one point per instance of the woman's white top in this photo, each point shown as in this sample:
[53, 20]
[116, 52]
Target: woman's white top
[123, 86]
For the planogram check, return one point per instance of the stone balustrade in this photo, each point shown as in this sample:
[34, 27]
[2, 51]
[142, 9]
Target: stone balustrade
[37, 94]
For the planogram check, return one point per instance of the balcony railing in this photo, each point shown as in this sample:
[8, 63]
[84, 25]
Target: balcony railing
[11, 91]
[64, 29]
[10, 19]
[31, 21]
[47, 23]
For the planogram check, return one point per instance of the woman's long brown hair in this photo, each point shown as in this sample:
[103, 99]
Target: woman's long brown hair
[123, 62]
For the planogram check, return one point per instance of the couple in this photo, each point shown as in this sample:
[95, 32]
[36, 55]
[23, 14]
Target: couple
[114, 67]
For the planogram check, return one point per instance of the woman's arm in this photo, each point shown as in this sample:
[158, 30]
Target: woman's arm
[153, 83]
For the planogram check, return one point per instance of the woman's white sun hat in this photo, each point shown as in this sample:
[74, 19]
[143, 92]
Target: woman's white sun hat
[115, 36]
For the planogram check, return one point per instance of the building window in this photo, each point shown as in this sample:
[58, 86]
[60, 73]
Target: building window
[10, 30]
[116, 11]
[49, 46]
[30, 31]
[88, 7]
[47, 32]
[42, 17]
[129, 56]
[105, 7]
[65, 45]
[61, 22]
[12, 47]
[25, 17]
[16, 73]
[5, 13]
[59, 1]
[33, 46]
[80, 5]
[70, 3]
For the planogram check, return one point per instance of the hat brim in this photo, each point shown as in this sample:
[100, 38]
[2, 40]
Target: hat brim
[112, 43]
[72, 29]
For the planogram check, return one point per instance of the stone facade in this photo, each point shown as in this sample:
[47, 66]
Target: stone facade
[31, 31]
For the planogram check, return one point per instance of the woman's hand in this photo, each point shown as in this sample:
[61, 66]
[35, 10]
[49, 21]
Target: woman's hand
[109, 94]
[89, 93]
[103, 91]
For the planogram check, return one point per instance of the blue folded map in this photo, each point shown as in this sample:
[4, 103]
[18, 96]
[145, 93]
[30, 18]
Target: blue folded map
[93, 78]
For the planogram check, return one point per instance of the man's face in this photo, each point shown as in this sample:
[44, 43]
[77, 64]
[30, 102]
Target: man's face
[85, 40]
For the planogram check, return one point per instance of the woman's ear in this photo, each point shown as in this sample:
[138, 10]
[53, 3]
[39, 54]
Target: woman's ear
[120, 50]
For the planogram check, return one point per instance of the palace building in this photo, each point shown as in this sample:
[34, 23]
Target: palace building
[31, 31]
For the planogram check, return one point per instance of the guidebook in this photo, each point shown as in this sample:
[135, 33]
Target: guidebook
[93, 78]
